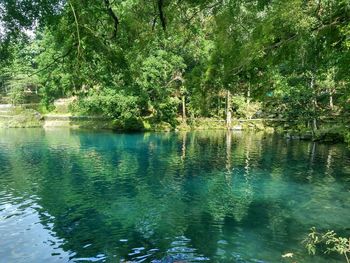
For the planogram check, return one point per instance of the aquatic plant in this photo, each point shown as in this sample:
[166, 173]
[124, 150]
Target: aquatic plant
[329, 242]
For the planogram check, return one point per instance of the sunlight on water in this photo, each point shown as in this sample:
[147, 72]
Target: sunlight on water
[83, 196]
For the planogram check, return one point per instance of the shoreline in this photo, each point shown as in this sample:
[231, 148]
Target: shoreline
[22, 117]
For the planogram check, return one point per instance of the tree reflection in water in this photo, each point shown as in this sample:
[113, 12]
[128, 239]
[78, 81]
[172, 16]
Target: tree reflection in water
[218, 196]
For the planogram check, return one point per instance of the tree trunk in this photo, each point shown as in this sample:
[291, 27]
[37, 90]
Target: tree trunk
[314, 124]
[248, 94]
[331, 105]
[228, 110]
[218, 106]
[183, 108]
[161, 14]
[331, 102]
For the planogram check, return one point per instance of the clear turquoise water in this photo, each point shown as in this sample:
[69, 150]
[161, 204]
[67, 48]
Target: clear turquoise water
[79, 196]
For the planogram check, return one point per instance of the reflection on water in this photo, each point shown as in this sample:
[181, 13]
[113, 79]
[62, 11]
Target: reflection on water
[81, 196]
[24, 235]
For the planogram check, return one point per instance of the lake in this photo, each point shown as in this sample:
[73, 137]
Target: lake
[209, 196]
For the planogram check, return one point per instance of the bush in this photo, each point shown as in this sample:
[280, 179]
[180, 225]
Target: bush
[167, 111]
[17, 95]
[330, 134]
[133, 124]
[243, 108]
[108, 102]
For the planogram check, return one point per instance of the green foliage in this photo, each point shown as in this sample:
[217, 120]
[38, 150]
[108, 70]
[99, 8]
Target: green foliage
[17, 95]
[347, 137]
[24, 118]
[167, 110]
[330, 241]
[108, 102]
[133, 124]
[331, 134]
[245, 109]
[19, 82]
[287, 59]
[159, 83]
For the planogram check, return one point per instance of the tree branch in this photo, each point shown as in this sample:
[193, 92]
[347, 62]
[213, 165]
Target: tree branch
[55, 60]
[77, 26]
[113, 16]
[280, 43]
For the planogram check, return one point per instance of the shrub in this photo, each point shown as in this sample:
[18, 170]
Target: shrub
[243, 108]
[133, 124]
[330, 134]
[17, 95]
[108, 102]
[167, 111]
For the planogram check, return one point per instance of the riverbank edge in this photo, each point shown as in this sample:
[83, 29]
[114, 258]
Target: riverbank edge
[32, 119]
[35, 120]
[29, 118]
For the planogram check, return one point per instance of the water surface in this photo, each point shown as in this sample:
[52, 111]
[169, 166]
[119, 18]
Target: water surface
[79, 196]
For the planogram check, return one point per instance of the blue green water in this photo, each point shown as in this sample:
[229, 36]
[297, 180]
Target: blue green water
[81, 196]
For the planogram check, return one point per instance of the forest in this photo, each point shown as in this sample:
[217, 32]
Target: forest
[271, 186]
[172, 61]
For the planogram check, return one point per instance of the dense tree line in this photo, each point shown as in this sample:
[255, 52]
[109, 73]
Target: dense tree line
[199, 58]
